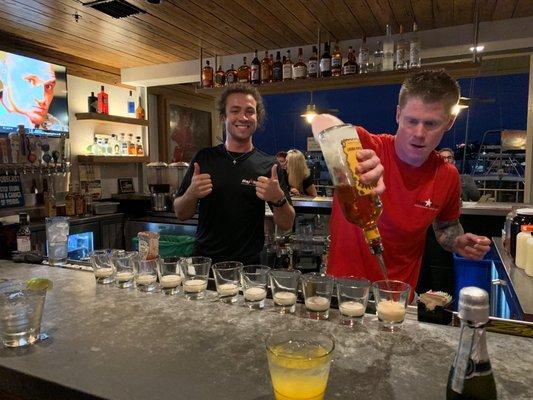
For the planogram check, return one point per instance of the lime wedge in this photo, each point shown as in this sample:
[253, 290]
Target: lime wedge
[39, 284]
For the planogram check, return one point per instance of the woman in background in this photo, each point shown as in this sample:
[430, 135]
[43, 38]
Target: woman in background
[300, 179]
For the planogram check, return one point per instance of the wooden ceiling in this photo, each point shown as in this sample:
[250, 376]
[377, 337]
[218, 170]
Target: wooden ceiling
[175, 29]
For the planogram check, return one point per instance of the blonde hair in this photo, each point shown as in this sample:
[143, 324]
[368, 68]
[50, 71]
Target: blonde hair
[297, 169]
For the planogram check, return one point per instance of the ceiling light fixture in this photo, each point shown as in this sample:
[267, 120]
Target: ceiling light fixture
[478, 49]
[311, 111]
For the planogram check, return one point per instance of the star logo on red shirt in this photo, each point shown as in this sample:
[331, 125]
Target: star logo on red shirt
[428, 203]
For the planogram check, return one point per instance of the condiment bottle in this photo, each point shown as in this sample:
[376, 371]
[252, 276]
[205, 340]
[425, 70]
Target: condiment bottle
[521, 240]
[471, 373]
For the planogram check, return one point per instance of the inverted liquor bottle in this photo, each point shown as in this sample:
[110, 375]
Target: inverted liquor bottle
[255, 70]
[471, 376]
[339, 145]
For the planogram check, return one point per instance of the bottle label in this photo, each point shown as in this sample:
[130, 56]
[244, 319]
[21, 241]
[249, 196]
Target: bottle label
[255, 75]
[350, 147]
[277, 74]
[325, 64]
[131, 107]
[362, 58]
[312, 67]
[287, 71]
[299, 72]
[230, 78]
[23, 244]
[336, 63]
[350, 69]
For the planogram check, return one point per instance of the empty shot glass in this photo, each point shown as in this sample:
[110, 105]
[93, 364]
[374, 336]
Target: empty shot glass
[317, 289]
[391, 302]
[227, 275]
[146, 275]
[104, 271]
[254, 280]
[195, 272]
[124, 263]
[169, 273]
[352, 296]
[284, 286]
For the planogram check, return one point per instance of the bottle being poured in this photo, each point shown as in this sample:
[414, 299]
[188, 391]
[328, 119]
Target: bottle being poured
[339, 144]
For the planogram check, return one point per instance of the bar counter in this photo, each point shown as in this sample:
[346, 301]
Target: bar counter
[111, 343]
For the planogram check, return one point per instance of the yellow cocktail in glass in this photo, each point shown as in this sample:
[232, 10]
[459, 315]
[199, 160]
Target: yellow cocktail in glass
[299, 364]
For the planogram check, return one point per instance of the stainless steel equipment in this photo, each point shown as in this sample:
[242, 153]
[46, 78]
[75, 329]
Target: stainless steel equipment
[176, 172]
[157, 177]
[159, 201]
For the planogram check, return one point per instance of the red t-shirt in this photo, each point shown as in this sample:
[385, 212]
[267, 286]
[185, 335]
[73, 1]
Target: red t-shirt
[413, 198]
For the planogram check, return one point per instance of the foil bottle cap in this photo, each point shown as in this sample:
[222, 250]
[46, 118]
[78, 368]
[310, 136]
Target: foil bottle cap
[474, 305]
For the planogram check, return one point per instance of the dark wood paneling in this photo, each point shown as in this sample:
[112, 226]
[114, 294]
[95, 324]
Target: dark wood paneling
[504, 9]
[403, 14]
[365, 17]
[443, 12]
[463, 11]
[423, 11]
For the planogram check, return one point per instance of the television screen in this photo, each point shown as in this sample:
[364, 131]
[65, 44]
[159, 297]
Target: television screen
[33, 93]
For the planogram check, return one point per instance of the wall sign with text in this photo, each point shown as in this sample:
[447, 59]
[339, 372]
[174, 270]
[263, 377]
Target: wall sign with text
[10, 191]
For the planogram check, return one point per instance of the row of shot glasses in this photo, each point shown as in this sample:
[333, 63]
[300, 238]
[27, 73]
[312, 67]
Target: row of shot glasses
[189, 276]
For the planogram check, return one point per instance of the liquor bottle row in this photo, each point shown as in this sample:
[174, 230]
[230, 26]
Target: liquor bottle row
[389, 55]
[116, 146]
[100, 104]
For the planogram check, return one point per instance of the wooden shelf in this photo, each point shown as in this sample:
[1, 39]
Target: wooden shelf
[457, 70]
[113, 159]
[114, 119]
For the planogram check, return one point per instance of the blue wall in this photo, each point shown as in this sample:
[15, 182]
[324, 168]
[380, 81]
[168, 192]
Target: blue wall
[374, 108]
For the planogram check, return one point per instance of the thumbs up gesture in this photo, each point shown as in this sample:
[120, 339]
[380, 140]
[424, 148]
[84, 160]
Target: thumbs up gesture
[201, 184]
[268, 189]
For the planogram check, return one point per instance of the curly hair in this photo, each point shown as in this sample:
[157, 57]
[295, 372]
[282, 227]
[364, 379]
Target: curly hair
[431, 86]
[244, 89]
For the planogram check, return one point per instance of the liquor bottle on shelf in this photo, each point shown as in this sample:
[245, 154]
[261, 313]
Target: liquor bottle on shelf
[123, 145]
[92, 103]
[471, 375]
[139, 111]
[132, 149]
[231, 75]
[139, 147]
[325, 62]
[80, 202]
[243, 73]
[266, 69]
[131, 104]
[207, 75]
[103, 101]
[113, 145]
[362, 58]
[287, 67]
[336, 61]
[299, 70]
[388, 51]
[277, 69]
[50, 209]
[350, 66]
[312, 64]
[106, 148]
[414, 48]
[24, 234]
[220, 77]
[255, 70]
[378, 58]
[94, 147]
[402, 51]
[70, 203]
[88, 198]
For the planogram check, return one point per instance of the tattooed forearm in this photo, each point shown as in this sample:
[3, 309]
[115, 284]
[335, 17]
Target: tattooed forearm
[446, 232]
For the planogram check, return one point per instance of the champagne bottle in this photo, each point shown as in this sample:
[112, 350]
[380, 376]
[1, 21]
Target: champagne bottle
[471, 375]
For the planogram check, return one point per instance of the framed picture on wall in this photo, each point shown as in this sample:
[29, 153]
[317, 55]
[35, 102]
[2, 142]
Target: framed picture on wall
[187, 131]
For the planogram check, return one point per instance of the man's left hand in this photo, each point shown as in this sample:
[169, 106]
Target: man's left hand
[268, 189]
[472, 246]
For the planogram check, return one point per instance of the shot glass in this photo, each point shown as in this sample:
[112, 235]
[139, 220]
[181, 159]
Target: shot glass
[104, 271]
[195, 272]
[254, 280]
[299, 364]
[391, 301]
[146, 275]
[169, 273]
[317, 289]
[352, 295]
[21, 311]
[227, 276]
[124, 263]
[284, 286]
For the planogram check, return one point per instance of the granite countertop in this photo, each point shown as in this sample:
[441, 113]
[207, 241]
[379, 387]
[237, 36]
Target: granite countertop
[111, 343]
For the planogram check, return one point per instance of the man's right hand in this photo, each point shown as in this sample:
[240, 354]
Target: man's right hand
[201, 184]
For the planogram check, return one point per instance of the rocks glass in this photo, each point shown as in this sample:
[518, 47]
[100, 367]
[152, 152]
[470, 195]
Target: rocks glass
[317, 289]
[124, 263]
[284, 286]
[254, 280]
[104, 271]
[57, 230]
[299, 363]
[169, 273]
[227, 275]
[146, 275]
[352, 295]
[391, 301]
[195, 272]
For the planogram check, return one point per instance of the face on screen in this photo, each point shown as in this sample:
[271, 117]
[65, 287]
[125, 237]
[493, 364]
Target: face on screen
[28, 87]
